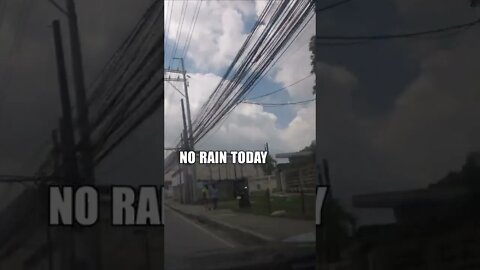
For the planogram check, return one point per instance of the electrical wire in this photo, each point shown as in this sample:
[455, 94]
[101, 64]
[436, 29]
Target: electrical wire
[179, 31]
[189, 38]
[287, 20]
[169, 21]
[282, 88]
[404, 35]
[279, 104]
[272, 33]
[123, 96]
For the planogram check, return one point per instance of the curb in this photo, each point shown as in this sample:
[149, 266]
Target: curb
[237, 232]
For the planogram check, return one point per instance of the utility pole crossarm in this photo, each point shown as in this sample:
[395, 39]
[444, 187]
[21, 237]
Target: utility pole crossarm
[174, 79]
[180, 92]
[60, 8]
[174, 71]
[172, 148]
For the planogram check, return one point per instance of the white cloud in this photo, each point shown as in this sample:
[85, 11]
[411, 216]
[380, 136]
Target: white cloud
[301, 130]
[435, 121]
[218, 31]
[200, 88]
[247, 127]
[259, 7]
[297, 64]
[343, 138]
[218, 36]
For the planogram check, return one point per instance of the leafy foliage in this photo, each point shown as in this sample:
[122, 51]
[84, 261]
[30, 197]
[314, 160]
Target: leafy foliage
[313, 58]
[311, 147]
[468, 176]
[270, 166]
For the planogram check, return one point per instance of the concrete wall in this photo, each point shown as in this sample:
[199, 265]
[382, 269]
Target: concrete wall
[219, 172]
[227, 171]
[263, 183]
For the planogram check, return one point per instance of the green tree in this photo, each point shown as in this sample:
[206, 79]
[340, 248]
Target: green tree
[313, 59]
[270, 165]
[311, 147]
[468, 176]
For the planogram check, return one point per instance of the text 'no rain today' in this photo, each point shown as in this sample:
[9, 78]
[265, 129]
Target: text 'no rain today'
[223, 157]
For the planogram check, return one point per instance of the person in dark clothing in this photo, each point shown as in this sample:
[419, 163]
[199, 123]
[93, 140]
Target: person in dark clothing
[214, 196]
[205, 196]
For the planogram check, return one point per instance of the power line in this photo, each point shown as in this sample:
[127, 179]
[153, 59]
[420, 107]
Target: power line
[281, 89]
[179, 31]
[334, 5]
[262, 48]
[133, 69]
[123, 134]
[403, 35]
[279, 104]
[325, 8]
[169, 20]
[284, 23]
[126, 110]
[285, 50]
[122, 90]
[120, 58]
[189, 38]
[286, 19]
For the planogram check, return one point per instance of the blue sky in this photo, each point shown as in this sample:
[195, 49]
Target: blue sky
[214, 44]
[394, 114]
[284, 113]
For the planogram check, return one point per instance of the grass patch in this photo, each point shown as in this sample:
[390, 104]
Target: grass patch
[291, 204]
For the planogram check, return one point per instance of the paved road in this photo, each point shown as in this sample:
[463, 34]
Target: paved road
[184, 238]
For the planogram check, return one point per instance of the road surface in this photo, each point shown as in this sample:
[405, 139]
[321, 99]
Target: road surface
[184, 238]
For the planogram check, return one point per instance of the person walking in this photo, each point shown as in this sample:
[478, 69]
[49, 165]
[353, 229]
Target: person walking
[214, 196]
[205, 196]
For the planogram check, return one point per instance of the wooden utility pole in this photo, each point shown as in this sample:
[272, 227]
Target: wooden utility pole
[187, 146]
[267, 174]
[190, 128]
[180, 172]
[56, 155]
[87, 253]
[67, 142]
[85, 149]
[183, 171]
[66, 122]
